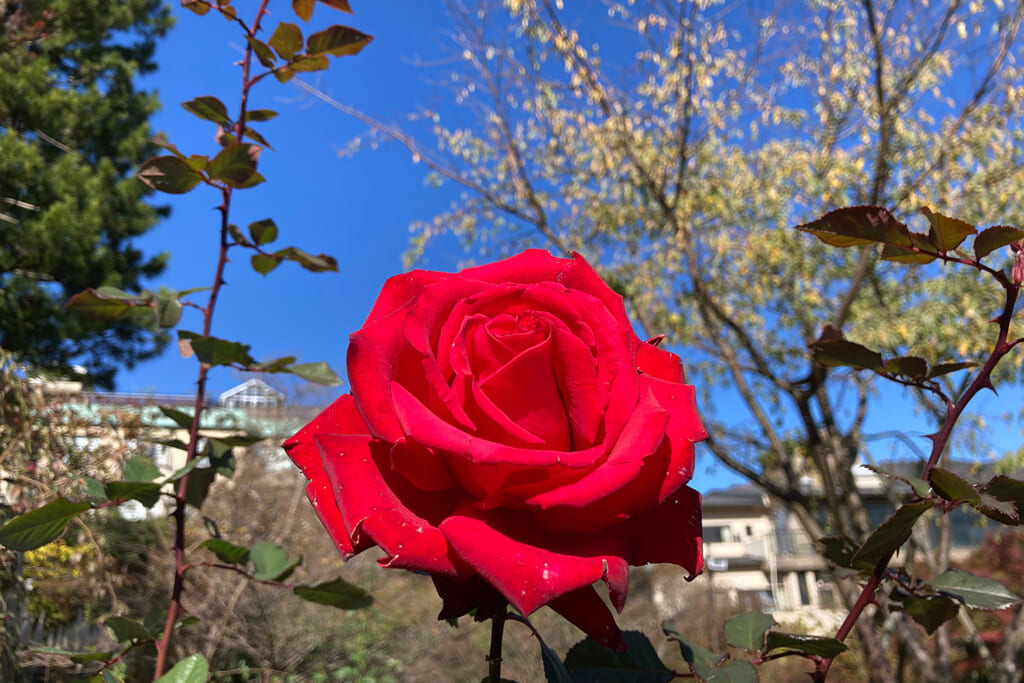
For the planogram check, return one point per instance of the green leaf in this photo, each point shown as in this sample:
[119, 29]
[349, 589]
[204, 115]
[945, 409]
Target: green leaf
[120, 294]
[317, 264]
[858, 225]
[196, 6]
[192, 669]
[923, 251]
[920, 487]
[264, 54]
[812, 645]
[947, 233]
[995, 237]
[235, 164]
[140, 468]
[264, 263]
[893, 533]
[260, 115]
[318, 373]
[270, 562]
[38, 527]
[147, 493]
[226, 552]
[256, 137]
[180, 418]
[208, 108]
[338, 4]
[554, 670]
[908, 366]
[287, 40]
[308, 63]
[931, 611]
[263, 232]
[1000, 510]
[946, 368]
[94, 488]
[747, 630]
[1005, 488]
[198, 162]
[337, 593]
[952, 487]
[338, 41]
[198, 487]
[239, 236]
[168, 174]
[126, 630]
[93, 305]
[168, 308]
[974, 591]
[214, 351]
[702, 660]
[181, 472]
[303, 9]
[843, 353]
[284, 74]
[590, 661]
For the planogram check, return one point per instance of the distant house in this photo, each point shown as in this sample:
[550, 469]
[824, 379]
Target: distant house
[758, 556]
[252, 394]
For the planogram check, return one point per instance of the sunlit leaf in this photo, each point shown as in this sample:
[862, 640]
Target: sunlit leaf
[337, 41]
[307, 63]
[923, 251]
[811, 645]
[908, 366]
[264, 263]
[974, 591]
[192, 669]
[338, 4]
[990, 239]
[337, 593]
[91, 304]
[263, 232]
[38, 527]
[286, 40]
[270, 562]
[858, 225]
[951, 487]
[234, 164]
[226, 552]
[318, 373]
[317, 264]
[168, 309]
[260, 115]
[947, 233]
[843, 353]
[263, 53]
[892, 533]
[303, 9]
[168, 174]
[196, 6]
[208, 108]
[140, 468]
[747, 630]
[147, 493]
[214, 351]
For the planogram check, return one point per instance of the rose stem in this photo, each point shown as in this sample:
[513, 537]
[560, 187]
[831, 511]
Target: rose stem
[494, 657]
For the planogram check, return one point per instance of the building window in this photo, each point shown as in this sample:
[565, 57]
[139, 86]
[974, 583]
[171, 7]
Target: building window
[801, 582]
[718, 534]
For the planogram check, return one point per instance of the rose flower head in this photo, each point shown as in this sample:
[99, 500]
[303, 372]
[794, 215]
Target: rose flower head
[510, 435]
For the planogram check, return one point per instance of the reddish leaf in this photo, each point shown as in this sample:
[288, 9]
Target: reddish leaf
[995, 237]
[168, 174]
[235, 164]
[310, 63]
[338, 4]
[858, 225]
[338, 41]
[303, 8]
[947, 233]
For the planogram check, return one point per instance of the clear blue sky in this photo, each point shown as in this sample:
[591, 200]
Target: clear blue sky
[356, 208]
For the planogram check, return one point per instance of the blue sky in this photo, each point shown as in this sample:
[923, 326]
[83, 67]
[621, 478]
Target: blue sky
[355, 208]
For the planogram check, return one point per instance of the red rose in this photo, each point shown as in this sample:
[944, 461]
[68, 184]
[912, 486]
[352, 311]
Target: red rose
[509, 434]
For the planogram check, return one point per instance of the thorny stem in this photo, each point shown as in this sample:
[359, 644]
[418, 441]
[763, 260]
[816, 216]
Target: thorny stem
[494, 656]
[163, 645]
[939, 440]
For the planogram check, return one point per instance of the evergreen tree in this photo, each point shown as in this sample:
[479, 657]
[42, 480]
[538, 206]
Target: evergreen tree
[73, 127]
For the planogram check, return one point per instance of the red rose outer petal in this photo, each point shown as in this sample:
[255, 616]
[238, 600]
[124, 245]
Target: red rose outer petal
[400, 289]
[585, 608]
[528, 576]
[370, 507]
[659, 363]
[341, 417]
[321, 495]
[684, 429]
[671, 533]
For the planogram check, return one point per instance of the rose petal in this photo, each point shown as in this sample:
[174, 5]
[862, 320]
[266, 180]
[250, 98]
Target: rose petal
[655, 361]
[321, 495]
[683, 430]
[400, 290]
[639, 439]
[670, 533]
[526, 390]
[584, 608]
[369, 507]
[421, 466]
[576, 374]
[341, 417]
[528, 576]
[460, 596]
[493, 423]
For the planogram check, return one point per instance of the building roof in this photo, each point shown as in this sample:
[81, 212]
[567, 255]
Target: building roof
[251, 387]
